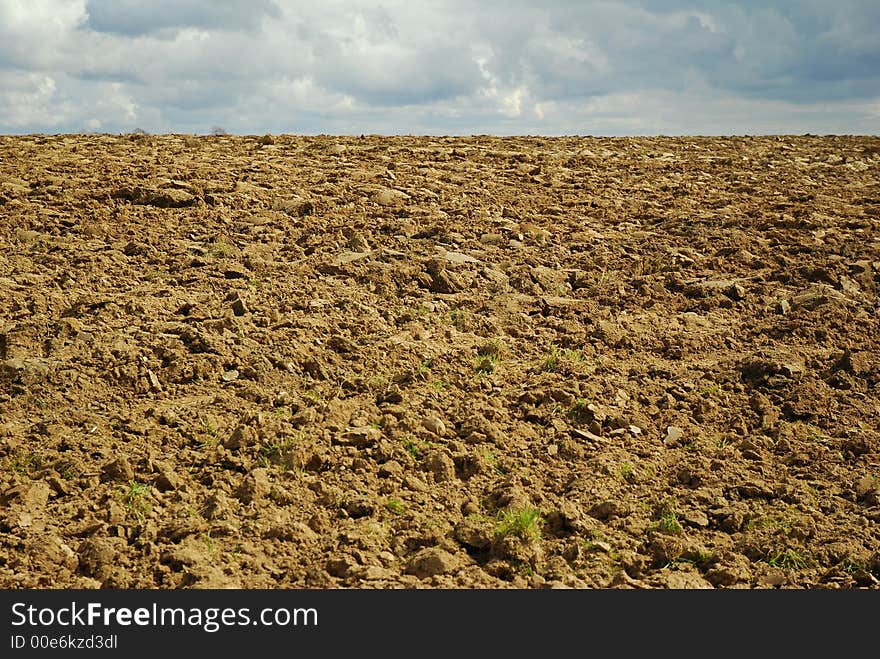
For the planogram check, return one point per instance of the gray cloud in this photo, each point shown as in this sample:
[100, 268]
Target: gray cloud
[561, 67]
[394, 71]
[137, 17]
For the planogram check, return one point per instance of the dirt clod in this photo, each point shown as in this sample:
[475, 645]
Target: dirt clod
[430, 562]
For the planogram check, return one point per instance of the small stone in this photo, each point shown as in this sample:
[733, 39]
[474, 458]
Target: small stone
[459, 258]
[415, 483]
[345, 258]
[387, 197]
[492, 239]
[600, 545]
[587, 435]
[435, 425]
[155, 385]
[673, 435]
[230, 375]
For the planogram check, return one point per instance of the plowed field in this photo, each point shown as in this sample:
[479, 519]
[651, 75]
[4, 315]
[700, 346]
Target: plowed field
[428, 362]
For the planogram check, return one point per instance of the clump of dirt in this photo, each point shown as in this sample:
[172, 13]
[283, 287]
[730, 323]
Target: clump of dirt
[439, 362]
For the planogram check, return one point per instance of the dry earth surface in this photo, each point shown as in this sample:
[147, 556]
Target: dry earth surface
[413, 362]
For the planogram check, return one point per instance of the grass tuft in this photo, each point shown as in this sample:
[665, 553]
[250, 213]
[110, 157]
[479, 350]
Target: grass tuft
[524, 523]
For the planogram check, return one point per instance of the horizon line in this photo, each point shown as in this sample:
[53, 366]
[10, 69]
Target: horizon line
[142, 133]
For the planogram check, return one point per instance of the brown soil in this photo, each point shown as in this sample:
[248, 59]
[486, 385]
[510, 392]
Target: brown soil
[374, 362]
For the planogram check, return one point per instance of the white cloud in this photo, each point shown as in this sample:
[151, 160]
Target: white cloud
[34, 34]
[27, 99]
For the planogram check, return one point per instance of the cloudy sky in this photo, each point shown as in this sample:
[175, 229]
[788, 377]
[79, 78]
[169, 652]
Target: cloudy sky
[442, 67]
